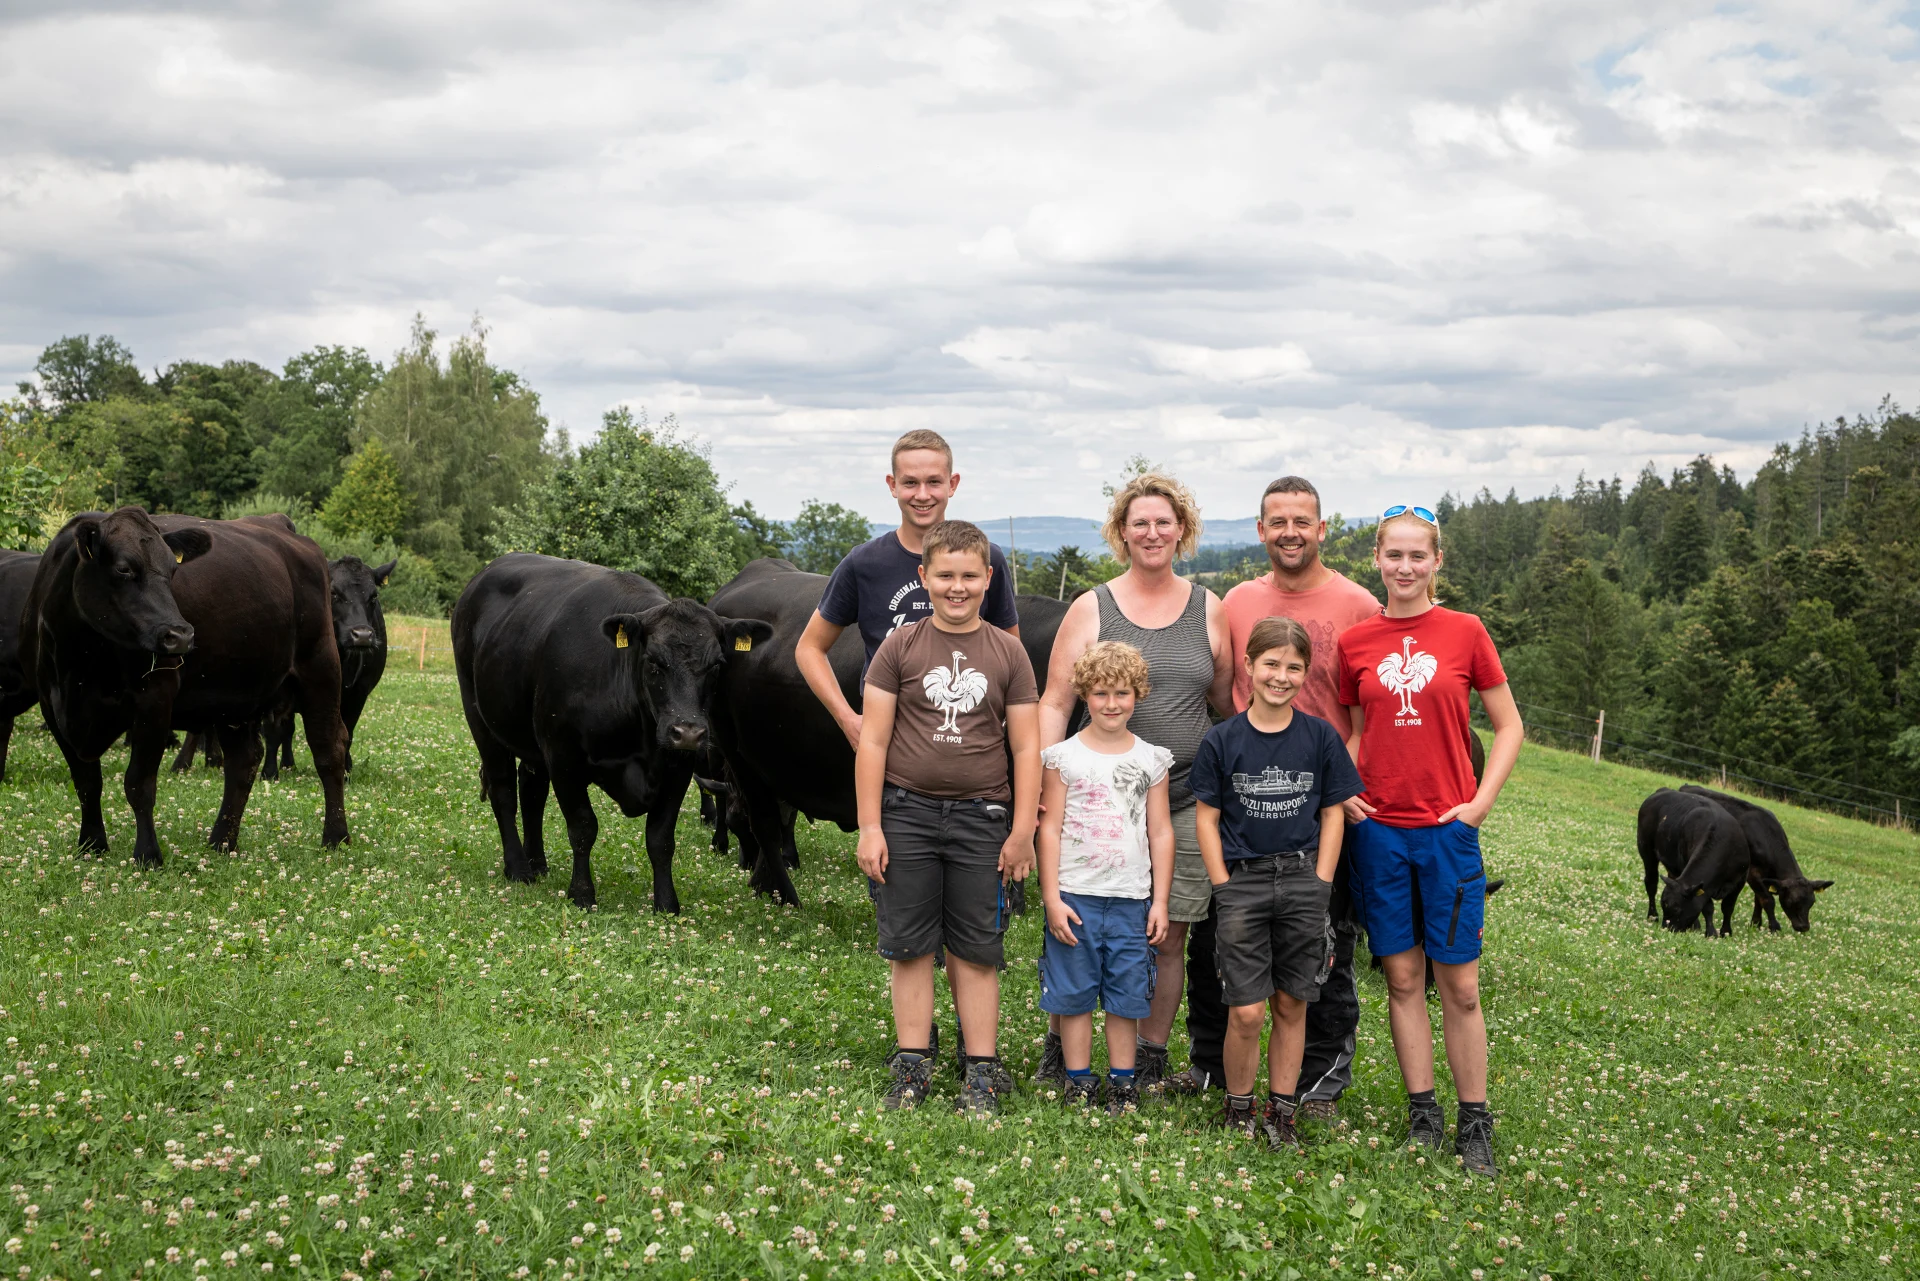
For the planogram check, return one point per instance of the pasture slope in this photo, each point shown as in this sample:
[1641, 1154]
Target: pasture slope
[387, 1063]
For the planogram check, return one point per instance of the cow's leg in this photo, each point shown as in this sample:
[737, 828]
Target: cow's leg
[210, 744]
[497, 781]
[582, 829]
[789, 847]
[1773, 922]
[87, 787]
[183, 761]
[533, 815]
[1727, 905]
[1759, 896]
[1653, 884]
[6, 740]
[722, 821]
[708, 808]
[768, 825]
[319, 708]
[286, 744]
[269, 767]
[240, 749]
[142, 782]
[662, 820]
[1706, 921]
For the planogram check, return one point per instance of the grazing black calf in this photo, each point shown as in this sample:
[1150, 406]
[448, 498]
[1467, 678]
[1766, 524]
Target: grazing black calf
[1706, 853]
[572, 674]
[17, 692]
[1774, 870]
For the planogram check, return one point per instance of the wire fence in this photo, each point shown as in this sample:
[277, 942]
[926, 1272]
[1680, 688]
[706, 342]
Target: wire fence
[1627, 745]
[419, 644]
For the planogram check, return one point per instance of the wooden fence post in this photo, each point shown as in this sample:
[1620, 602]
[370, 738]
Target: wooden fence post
[423, 647]
[1599, 733]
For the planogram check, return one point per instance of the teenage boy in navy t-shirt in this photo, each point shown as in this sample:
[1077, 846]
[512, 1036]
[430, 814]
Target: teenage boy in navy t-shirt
[1270, 783]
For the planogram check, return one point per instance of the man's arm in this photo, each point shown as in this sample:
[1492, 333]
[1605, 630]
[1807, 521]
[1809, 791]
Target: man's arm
[810, 655]
[870, 779]
[1078, 630]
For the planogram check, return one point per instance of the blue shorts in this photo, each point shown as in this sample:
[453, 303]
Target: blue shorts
[1420, 884]
[1111, 963]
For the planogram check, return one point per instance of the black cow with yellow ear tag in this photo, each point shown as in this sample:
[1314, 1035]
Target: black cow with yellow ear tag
[573, 674]
[1705, 854]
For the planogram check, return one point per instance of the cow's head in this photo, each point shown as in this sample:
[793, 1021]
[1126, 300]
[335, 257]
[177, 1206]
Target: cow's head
[1681, 904]
[1796, 899]
[675, 654]
[123, 582]
[358, 624]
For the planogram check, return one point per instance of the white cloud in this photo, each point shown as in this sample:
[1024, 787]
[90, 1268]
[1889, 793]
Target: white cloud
[1403, 247]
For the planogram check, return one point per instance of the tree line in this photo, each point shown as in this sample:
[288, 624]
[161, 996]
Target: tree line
[438, 457]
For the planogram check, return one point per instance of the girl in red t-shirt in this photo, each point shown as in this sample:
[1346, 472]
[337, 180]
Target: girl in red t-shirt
[1417, 876]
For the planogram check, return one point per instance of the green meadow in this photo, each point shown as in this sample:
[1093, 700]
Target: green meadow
[386, 1062]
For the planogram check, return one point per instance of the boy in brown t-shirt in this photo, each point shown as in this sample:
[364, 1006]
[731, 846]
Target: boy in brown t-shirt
[943, 830]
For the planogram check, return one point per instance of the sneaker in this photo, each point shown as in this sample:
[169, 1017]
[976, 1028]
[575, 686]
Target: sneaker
[980, 1092]
[1149, 1065]
[1189, 1081]
[912, 1081]
[1473, 1143]
[1053, 1065]
[1325, 1111]
[1426, 1125]
[1277, 1127]
[1240, 1116]
[1081, 1091]
[1123, 1096]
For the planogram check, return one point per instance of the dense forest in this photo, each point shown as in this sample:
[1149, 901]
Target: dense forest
[1767, 628]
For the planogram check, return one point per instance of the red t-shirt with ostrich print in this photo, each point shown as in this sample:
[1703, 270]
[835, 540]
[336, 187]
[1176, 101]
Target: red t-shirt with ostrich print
[1410, 678]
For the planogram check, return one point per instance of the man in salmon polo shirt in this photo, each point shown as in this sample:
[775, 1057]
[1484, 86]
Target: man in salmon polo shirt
[1300, 587]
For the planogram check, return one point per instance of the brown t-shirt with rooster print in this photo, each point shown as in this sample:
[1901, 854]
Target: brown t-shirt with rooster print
[950, 721]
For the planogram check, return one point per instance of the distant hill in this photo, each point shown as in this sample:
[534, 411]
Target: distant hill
[1048, 534]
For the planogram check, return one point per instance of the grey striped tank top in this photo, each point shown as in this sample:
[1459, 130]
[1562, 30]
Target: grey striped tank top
[1180, 667]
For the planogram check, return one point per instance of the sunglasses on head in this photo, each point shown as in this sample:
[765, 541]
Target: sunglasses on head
[1402, 509]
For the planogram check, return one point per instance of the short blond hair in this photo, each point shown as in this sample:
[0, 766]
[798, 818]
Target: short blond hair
[956, 536]
[1153, 485]
[921, 439]
[1111, 663]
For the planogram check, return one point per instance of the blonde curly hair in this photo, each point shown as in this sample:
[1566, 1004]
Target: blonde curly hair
[1111, 663]
[1153, 485]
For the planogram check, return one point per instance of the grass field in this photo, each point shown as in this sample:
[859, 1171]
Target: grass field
[387, 1062]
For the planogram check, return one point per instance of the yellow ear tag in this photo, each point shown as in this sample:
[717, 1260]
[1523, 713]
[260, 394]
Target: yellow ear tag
[620, 638]
[742, 644]
[179, 558]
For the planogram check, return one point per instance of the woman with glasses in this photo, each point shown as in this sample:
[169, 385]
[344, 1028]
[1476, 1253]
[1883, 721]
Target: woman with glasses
[1417, 876]
[1182, 630]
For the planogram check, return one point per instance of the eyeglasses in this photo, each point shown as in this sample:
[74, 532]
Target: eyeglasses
[1401, 509]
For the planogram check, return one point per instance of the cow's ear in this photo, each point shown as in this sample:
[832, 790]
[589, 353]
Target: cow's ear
[381, 573]
[624, 630]
[1817, 886]
[742, 634]
[86, 538]
[1770, 885]
[188, 543]
[1665, 879]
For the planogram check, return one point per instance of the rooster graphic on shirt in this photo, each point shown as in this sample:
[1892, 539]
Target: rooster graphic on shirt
[1407, 673]
[954, 691]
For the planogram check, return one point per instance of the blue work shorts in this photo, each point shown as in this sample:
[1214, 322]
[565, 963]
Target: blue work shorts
[1418, 885]
[1111, 964]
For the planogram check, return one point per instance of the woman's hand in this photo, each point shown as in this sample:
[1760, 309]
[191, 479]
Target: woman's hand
[1060, 921]
[1156, 924]
[1357, 809]
[872, 855]
[1473, 813]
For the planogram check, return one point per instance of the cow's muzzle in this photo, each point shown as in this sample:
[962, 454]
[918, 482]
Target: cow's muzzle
[361, 638]
[174, 640]
[686, 736]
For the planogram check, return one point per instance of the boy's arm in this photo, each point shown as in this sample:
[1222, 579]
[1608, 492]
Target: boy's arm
[1207, 823]
[1023, 737]
[870, 779]
[810, 656]
[1160, 854]
[1333, 822]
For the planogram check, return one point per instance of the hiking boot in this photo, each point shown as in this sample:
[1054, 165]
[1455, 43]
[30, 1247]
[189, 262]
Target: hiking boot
[1426, 1125]
[1277, 1127]
[980, 1092]
[912, 1081]
[1123, 1096]
[1325, 1111]
[1082, 1091]
[1053, 1064]
[1149, 1065]
[1473, 1143]
[1240, 1116]
[1189, 1081]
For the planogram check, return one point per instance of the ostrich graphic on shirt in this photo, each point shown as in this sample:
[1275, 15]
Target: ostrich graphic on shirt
[954, 690]
[1407, 673]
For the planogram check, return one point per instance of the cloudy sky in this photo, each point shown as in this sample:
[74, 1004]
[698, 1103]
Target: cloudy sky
[1400, 248]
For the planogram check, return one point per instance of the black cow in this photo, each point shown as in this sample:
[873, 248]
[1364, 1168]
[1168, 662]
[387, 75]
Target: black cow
[1705, 851]
[360, 630]
[1774, 869]
[17, 692]
[143, 624]
[574, 674]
